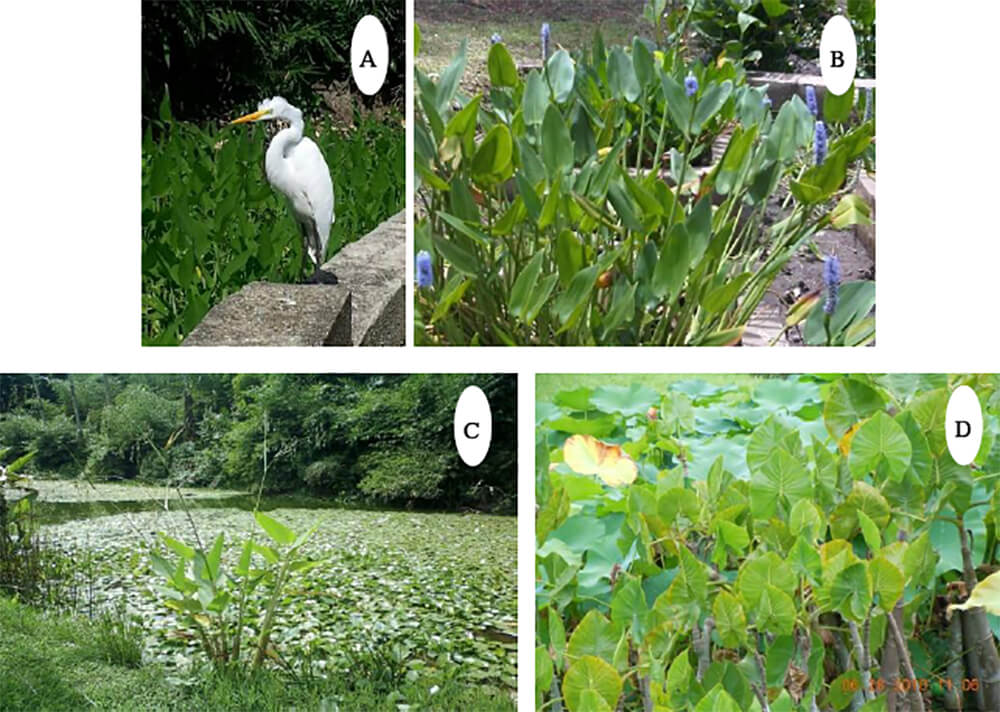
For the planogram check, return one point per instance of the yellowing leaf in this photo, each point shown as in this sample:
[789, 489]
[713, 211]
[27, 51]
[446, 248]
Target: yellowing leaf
[986, 594]
[587, 455]
[845, 442]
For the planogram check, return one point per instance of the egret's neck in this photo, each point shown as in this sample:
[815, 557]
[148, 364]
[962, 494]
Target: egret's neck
[283, 142]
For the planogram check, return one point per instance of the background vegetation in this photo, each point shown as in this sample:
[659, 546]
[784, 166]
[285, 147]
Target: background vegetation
[379, 439]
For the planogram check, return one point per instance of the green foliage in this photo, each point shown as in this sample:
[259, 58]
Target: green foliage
[402, 474]
[216, 605]
[215, 56]
[118, 638]
[50, 662]
[554, 217]
[212, 223]
[770, 524]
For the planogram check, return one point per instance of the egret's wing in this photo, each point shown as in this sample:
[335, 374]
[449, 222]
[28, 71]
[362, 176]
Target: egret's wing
[312, 178]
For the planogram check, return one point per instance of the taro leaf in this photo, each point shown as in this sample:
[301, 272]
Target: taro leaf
[775, 612]
[919, 559]
[717, 700]
[779, 655]
[679, 678]
[588, 683]
[678, 500]
[804, 559]
[781, 479]
[557, 636]
[536, 99]
[557, 146]
[594, 636]
[880, 445]
[849, 402]
[864, 498]
[842, 689]
[276, 530]
[561, 73]
[768, 437]
[806, 520]
[929, 411]
[629, 609]
[768, 570]
[503, 72]
[553, 514]
[695, 575]
[851, 592]
[627, 400]
[869, 531]
[887, 582]
[730, 620]
[734, 536]
[543, 665]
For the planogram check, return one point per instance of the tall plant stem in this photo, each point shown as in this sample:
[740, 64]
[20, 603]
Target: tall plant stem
[904, 657]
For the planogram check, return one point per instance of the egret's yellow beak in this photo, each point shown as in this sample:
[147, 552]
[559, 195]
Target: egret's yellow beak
[251, 117]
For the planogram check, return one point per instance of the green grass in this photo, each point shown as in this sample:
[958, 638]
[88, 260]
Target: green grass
[51, 663]
[548, 384]
[211, 223]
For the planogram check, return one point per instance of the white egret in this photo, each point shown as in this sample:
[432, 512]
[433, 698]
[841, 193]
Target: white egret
[295, 168]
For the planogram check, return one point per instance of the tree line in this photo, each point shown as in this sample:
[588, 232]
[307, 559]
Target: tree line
[379, 439]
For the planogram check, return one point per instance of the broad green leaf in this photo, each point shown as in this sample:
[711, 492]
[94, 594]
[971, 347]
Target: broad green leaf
[782, 479]
[869, 531]
[851, 210]
[557, 146]
[579, 291]
[586, 677]
[767, 570]
[493, 156]
[561, 73]
[851, 592]
[779, 654]
[843, 689]
[595, 635]
[880, 445]
[887, 582]
[523, 285]
[503, 72]
[730, 620]
[543, 668]
[837, 109]
[864, 498]
[710, 103]
[536, 99]
[849, 402]
[775, 612]
[734, 536]
[717, 700]
[621, 76]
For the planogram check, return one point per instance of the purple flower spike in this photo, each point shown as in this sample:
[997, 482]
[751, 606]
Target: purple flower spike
[868, 104]
[820, 143]
[831, 278]
[496, 38]
[546, 35]
[425, 277]
[811, 100]
[766, 101]
[690, 85]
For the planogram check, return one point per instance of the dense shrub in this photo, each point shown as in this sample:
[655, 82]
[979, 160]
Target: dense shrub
[393, 475]
[54, 439]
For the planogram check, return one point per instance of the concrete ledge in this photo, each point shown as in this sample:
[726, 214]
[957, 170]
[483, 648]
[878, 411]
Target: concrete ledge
[264, 314]
[866, 233]
[365, 308]
[782, 86]
[374, 268]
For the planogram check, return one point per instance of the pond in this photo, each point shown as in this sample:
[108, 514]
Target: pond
[435, 587]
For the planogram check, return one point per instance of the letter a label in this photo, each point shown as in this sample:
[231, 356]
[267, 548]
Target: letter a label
[369, 55]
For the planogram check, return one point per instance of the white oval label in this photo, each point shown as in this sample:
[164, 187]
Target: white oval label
[963, 422]
[838, 55]
[369, 55]
[473, 426]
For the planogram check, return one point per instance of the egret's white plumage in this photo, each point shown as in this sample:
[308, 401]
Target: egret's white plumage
[296, 168]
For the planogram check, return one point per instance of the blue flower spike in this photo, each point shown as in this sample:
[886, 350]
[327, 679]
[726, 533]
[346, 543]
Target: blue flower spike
[831, 278]
[821, 143]
[546, 36]
[425, 277]
[496, 38]
[811, 100]
[690, 85]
